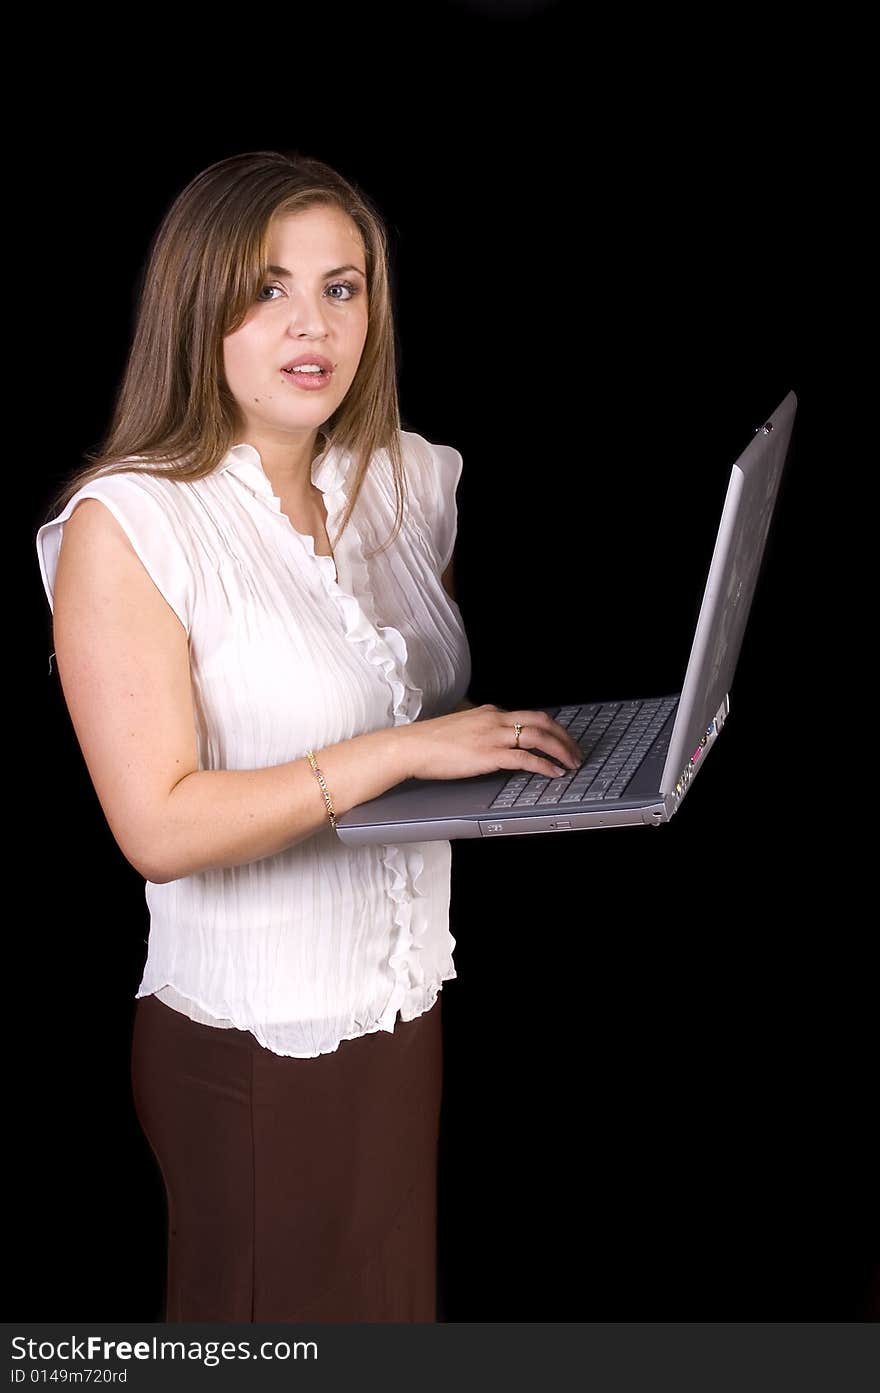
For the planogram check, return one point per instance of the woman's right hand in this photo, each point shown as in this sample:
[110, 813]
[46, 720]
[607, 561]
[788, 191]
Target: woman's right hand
[481, 739]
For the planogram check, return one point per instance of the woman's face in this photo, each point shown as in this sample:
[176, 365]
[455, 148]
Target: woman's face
[301, 309]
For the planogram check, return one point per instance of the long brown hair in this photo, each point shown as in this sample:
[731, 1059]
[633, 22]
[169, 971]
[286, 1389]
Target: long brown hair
[207, 261]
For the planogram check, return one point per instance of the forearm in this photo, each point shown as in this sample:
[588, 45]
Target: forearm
[220, 817]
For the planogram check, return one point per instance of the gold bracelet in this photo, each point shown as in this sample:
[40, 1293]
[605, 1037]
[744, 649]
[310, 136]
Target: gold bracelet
[310, 755]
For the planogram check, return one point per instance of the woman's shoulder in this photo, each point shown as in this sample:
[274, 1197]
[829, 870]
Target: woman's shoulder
[135, 502]
[433, 470]
[438, 459]
[153, 491]
[121, 481]
[436, 465]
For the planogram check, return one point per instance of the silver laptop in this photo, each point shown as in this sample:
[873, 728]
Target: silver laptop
[640, 756]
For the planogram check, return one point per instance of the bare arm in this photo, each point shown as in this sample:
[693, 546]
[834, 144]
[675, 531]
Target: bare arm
[123, 662]
[227, 817]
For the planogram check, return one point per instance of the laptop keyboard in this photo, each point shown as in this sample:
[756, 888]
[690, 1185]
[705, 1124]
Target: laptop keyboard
[614, 738]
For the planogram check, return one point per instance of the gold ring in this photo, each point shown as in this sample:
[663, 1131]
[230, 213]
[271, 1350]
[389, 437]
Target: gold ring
[517, 728]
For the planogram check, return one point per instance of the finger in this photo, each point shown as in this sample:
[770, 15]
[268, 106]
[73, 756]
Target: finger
[560, 736]
[542, 743]
[568, 741]
[535, 762]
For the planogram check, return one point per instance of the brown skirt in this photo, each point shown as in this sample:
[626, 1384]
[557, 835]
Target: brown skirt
[297, 1189]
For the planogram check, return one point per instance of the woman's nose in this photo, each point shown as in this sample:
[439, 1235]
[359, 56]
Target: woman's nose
[306, 314]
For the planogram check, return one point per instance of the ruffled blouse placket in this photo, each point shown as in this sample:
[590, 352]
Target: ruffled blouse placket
[347, 583]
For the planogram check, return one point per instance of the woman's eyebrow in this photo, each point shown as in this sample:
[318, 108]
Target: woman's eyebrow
[337, 271]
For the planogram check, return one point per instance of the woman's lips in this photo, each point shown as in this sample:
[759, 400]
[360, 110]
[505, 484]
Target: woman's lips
[307, 381]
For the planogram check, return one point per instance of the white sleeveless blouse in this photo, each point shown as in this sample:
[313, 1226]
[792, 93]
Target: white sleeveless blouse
[322, 942]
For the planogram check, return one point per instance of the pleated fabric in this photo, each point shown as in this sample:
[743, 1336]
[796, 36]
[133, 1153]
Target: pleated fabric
[297, 1190]
[291, 651]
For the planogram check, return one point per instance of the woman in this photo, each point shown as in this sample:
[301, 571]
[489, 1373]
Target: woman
[245, 655]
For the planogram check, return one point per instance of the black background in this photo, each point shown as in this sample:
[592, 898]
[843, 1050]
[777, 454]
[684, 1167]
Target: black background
[614, 255]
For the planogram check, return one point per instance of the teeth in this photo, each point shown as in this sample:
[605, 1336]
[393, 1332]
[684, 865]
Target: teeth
[305, 367]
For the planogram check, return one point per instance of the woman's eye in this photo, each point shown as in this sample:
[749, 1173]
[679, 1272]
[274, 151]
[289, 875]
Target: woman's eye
[344, 285]
[337, 285]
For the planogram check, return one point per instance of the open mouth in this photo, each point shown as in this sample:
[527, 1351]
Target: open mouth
[308, 380]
